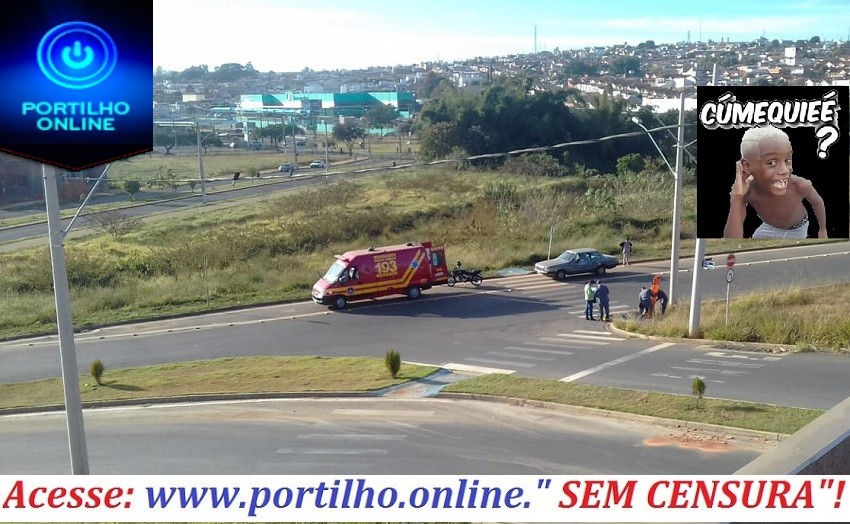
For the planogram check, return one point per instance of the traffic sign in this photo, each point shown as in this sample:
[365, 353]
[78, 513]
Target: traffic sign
[730, 260]
[730, 275]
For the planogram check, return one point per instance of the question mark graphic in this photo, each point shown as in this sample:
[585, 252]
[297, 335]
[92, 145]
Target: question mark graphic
[827, 135]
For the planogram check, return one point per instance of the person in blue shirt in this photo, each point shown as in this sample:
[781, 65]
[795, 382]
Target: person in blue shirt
[602, 297]
[645, 298]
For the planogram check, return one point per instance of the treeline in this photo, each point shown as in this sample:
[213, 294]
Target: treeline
[509, 115]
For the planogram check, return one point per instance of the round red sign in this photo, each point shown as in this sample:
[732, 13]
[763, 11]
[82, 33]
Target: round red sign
[730, 260]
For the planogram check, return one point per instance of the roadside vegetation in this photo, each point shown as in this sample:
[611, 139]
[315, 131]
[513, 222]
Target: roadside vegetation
[311, 374]
[795, 318]
[274, 249]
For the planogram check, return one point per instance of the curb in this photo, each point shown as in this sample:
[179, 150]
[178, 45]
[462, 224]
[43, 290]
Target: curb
[719, 344]
[765, 436]
[672, 424]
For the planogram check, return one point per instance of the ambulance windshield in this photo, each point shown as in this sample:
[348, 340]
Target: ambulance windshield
[334, 272]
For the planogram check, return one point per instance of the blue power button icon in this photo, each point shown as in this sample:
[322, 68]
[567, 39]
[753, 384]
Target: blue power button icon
[77, 55]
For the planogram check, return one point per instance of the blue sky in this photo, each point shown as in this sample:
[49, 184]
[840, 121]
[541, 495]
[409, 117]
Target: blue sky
[289, 35]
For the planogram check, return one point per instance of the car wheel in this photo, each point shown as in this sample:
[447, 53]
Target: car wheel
[600, 270]
[413, 293]
[340, 302]
[560, 274]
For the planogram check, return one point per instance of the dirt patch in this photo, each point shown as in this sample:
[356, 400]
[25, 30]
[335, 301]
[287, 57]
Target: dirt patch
[705, 441]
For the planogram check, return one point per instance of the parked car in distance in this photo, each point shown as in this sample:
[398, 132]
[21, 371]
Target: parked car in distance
[286, 168]
[317, 163]
[575, 261]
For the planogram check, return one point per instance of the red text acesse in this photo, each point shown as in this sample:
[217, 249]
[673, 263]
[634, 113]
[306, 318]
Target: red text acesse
[20, 497]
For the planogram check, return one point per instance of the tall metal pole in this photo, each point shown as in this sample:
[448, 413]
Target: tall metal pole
[677, 201]
[67, 354]
[201, 173]
[327, 161]
[696, 290]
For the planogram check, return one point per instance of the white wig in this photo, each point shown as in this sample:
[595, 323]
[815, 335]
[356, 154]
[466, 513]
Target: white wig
[754, 135]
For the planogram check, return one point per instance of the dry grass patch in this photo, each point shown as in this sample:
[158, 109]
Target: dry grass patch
[800, 317]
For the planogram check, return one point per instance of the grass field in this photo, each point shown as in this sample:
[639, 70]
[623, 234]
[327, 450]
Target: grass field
[310, 374]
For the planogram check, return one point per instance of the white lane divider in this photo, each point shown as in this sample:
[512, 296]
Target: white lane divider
[606, 365]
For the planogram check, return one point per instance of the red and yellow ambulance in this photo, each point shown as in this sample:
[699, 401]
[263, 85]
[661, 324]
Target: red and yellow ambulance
[405, 269]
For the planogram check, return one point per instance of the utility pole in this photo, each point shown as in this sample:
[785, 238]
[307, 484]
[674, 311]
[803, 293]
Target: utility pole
[201, 173]
[677, 201]
[696, 290]
[65, 327]
[326, 145]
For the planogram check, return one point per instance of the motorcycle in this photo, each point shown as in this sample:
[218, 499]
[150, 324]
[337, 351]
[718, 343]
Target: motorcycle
[473, 276]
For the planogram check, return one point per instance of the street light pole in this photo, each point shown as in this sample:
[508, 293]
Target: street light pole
[201, 164]
[327, 160]
[677, 201]
[677, 192]
[65, 327]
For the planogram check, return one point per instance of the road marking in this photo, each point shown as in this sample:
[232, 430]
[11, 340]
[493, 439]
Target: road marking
[587, 337]
[743, 357]
[592, 332]
[316, 451]
[388, 413]
[500, 362]
[453, 366]
[350, 436]
[559, 343]
[710, 362]
[537, 350]
[515, 355]
[606, 365]
[544, 285]
[705, 371]
[583, 342]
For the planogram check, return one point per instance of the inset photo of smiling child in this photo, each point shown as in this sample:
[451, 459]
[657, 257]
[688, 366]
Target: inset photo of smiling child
[774, 162]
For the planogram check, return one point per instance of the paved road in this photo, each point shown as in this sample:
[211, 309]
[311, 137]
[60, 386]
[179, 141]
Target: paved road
[529, 325]
[376, 436]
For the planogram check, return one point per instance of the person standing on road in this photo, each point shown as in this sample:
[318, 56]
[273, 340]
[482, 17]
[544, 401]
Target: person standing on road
[589, 300]
[602, 297]
[626, 245]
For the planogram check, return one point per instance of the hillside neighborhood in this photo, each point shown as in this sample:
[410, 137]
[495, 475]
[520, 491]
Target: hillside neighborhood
[647, 74]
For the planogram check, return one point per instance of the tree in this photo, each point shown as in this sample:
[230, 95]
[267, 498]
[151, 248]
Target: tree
[438, 140]
[631, 163]
[626, 66]
[131, 187]
[114, 222]
[168, 137]
[165, 177]
[193, 73]
[349, 134]
[426, 87]
[380, 116]
[579, 68]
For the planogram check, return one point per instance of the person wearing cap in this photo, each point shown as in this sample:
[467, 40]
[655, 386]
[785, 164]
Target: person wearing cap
[602, 297]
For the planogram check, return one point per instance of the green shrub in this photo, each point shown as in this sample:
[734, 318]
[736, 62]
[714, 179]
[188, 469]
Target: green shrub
[392, 360]
[698, 388]
[96, 370]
